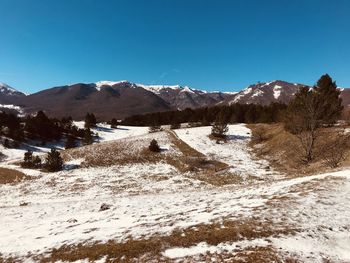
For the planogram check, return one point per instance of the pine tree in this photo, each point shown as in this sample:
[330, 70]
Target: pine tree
[219, 129]
[154, 147]
[70, 142]
[54, 161]
[114, 123]
[30, 161]
[329, 99]
[154, 128]
[88, 139]
[175, 124]
[90, 121]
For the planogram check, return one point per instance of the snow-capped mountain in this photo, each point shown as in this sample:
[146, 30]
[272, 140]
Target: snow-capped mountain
[9, 95]
[182, 97]
[266, 93]
[177, 96]
[119, 99]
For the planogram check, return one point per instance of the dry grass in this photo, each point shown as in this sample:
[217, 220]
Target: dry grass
[282, 150]
[192, 160]
[132, 151]
[219, 179]
[147, 250]
[9, 176]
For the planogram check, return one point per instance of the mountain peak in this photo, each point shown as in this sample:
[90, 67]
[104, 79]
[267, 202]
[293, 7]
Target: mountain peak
[101, 83]
[8, 90]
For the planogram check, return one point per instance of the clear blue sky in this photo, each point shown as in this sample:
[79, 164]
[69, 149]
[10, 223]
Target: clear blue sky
[213, 45]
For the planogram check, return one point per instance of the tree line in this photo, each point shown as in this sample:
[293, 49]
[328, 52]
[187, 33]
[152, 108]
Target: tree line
[41, 128]
[235, 113]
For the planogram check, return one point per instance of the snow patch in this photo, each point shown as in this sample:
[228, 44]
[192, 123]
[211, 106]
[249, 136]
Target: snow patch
[277, 91]
[102, 83]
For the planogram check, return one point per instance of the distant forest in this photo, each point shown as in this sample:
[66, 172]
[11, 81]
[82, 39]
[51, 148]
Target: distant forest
[235, 113]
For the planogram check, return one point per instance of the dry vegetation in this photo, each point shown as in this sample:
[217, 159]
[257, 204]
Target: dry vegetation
[283, 150]
[132, 151]
[150, 249]
[9, 176]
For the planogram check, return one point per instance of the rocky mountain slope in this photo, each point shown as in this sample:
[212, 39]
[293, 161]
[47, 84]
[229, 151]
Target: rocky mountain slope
[107, 99]
[9, 95]
[265, 93]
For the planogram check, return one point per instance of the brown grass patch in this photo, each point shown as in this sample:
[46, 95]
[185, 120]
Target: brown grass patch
[9, 176]
[219, 179]
[184, 147]
[118, 152]
[194, 161]
[150, 249]
[282, 150]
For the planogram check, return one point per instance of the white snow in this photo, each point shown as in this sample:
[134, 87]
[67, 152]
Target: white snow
[6, 88]
[187, 89]
[101, 83]
[158, 88]
[234, 152]
[106, 133]
[155, 199]
[277, 91]
[258, 92]
[12, 107]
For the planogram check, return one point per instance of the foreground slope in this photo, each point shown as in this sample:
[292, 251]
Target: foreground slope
[157, 211]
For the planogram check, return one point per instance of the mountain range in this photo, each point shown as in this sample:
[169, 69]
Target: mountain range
[108, 99]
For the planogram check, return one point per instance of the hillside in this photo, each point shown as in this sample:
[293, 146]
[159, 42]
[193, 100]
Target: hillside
[197, 200]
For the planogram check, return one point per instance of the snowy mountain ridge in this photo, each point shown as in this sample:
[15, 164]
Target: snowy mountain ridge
[4, 88]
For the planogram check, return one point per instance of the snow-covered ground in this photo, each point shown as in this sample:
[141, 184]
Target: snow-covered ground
[235, 152]
[106, 133]
[155, 199]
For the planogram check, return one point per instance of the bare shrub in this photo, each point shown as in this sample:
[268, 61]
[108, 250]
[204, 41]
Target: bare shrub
[310, 110]
[334, 150]
[154, 128]
[259, 135]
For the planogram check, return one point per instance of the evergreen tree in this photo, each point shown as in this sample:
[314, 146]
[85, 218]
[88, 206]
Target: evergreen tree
[204, 121]
[154, 128]
[70, 142]
[90, 121]
[175, 123]
[54, 161]
[154, 147]
[41, 127]
[114, 123]
[30, 161]
[219, 128]
[329, 99]
[88, 139]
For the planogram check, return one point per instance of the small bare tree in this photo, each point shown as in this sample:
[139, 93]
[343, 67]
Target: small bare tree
[311, 109]
[259, 134]
[334, 150]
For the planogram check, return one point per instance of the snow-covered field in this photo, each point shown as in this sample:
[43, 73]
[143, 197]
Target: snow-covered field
[308, 217]
[106, 133]
[235, 152]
